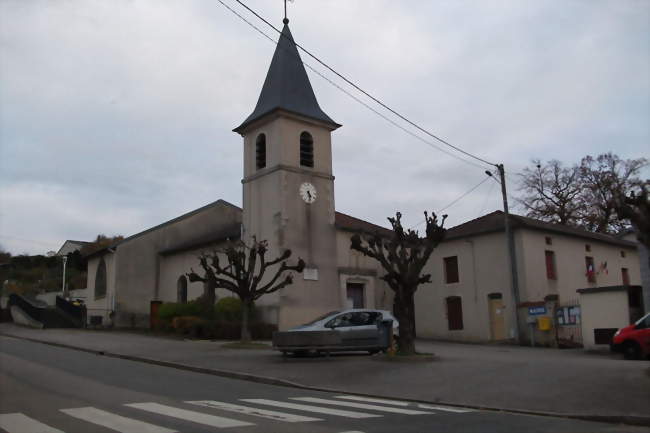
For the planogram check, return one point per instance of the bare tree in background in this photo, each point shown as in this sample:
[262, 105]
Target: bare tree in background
[403, 256]
[604, 178]
[243, 273]
[551, 192]
[581, 195]
[636, 208]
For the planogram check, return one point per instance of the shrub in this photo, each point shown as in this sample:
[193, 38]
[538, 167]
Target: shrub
[170, 310]
[228, 309]
[183, 324]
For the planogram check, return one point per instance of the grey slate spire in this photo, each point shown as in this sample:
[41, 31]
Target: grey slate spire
[287, 86]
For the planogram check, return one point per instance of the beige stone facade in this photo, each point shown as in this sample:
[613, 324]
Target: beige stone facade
[552, 266]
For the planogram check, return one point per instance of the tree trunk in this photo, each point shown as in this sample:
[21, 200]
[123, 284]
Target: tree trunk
[245, 332]
[209, 292]
[405, 314]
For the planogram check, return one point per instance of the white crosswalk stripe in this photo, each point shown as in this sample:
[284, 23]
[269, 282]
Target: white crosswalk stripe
[363, 406]
[444, 408]
[270, 414]
[20, 423]
[309, 408]
[114, 422]
[373, 400]
[189, 415]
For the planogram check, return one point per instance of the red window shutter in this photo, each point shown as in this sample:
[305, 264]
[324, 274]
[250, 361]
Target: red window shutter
[550, 265]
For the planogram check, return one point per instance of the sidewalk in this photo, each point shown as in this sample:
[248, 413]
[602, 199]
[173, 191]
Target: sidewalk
[564, 382]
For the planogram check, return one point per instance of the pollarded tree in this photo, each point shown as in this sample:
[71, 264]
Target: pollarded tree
[244, 274]
[403, 256]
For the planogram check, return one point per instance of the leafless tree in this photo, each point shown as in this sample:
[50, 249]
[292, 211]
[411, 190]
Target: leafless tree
[243, 272]
[636, 208]
[581, 195]
[551, 191]
[403, 256]
[604, 178]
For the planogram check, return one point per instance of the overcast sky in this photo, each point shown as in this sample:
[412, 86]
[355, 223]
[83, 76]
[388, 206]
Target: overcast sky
[116, 115]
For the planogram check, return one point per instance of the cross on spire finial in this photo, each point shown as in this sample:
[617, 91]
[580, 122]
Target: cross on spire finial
[286, 20]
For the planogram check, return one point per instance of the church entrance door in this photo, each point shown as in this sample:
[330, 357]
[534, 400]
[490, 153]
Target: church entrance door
[355, 294]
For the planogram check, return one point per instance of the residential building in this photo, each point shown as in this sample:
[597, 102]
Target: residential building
[559, 268]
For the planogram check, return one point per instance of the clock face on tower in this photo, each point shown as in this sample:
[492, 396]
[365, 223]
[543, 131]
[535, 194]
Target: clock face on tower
[308, 192]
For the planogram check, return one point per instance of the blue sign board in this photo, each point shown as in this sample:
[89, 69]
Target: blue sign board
[536, 311]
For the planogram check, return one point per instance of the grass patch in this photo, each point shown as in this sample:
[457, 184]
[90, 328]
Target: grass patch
[240, 345]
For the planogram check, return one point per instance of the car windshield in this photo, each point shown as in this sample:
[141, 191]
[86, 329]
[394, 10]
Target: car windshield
[641, 320]
[319, 318]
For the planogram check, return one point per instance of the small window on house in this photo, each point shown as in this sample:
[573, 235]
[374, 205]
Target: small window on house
[623, 254]
[451, 269]
[588, 248]
[590, 270]
[100, 279]
[454, 313]
[548, 240]
[260, 151]
[625, 275]
[306, 150]
[550, 265]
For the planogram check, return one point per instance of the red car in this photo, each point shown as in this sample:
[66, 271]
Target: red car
[633, 340]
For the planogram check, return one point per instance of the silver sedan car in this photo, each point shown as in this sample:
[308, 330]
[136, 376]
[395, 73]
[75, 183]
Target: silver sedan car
[349, 320]
[354, 330]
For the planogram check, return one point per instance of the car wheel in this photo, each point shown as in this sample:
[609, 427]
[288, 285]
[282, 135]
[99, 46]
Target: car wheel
[631, 350]
[372, 352]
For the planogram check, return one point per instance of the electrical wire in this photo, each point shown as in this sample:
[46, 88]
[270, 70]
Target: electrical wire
[469, 191]
[355, 86]
[386, 118]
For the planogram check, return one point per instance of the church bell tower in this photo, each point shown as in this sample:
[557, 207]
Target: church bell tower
[288, 187]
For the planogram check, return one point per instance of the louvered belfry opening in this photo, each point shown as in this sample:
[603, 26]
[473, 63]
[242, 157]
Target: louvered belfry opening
[260, 151]
[306, 150]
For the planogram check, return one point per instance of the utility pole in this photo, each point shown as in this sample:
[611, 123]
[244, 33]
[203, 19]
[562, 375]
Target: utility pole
[63, 292]
[510, 239]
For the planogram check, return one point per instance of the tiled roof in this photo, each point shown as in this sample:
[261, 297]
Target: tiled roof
[350, 223]
[494, 222]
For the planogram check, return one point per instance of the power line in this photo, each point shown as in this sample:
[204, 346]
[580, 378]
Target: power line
[469, 191]
[405, 119]
[386, 118]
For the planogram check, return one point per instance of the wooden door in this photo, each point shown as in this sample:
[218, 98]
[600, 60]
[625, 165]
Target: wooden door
[497, 316]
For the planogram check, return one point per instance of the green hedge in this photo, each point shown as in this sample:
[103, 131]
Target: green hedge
[220, 322]
[195, 327]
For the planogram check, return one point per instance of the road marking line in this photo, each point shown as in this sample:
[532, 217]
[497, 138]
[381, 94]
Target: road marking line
[114, 422]
[373, 400]
[19, 423]
[271, 414]
[444, 409]
[363, 406]
[190, 415]
[308, 408]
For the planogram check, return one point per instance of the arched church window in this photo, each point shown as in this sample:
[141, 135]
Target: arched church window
[260, 151]
[100, 279]
[306, 150]
[181, 285]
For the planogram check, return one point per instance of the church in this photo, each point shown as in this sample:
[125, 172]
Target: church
[566, 290]
[288, 200]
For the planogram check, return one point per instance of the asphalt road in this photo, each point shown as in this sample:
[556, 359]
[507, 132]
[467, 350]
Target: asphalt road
[45, 389]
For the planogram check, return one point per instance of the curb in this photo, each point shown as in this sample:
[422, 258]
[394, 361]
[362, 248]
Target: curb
[612, 419]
